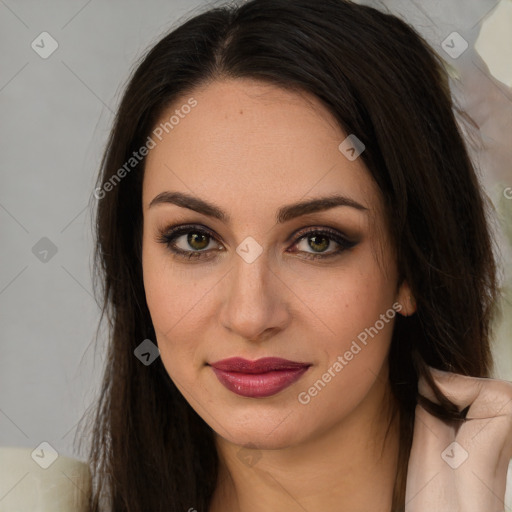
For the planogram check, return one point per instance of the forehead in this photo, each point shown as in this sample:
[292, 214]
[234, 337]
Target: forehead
[251, 142]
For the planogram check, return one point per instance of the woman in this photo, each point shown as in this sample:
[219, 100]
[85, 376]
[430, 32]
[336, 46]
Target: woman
[286, 209]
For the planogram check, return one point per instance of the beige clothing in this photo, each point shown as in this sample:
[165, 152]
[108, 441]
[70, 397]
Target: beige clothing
[463, 471]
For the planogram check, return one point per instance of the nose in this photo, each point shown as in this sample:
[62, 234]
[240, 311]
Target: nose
[255, 306]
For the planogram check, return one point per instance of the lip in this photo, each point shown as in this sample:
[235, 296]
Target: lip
[258, 379]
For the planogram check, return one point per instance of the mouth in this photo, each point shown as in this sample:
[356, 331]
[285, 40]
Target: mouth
[258, 379]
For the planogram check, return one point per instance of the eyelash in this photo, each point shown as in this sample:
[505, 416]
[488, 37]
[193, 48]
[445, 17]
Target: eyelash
[169, 235]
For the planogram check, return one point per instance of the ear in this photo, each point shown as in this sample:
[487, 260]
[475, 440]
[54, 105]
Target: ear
[406, 299]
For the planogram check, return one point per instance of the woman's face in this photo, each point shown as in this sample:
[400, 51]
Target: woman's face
[261, 270]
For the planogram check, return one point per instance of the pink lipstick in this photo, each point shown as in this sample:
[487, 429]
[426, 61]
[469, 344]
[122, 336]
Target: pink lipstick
[257, 379]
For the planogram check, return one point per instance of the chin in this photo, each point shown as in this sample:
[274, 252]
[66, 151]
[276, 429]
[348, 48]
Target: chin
[259, 439]
[263, 430]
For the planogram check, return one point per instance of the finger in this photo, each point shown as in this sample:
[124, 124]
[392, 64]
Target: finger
[462, 390]
[486, 398]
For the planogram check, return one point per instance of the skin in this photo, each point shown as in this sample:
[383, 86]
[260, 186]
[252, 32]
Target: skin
[251, 148]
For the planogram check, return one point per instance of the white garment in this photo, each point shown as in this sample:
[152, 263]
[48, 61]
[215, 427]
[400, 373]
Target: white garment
[464, 470]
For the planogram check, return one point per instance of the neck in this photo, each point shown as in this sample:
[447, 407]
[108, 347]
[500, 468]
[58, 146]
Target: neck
[352, 466]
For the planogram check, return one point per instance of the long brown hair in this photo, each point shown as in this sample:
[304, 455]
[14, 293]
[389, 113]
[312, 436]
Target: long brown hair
[150, 451]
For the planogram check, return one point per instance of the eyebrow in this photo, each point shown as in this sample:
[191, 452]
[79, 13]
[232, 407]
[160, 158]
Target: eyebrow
[284, 214]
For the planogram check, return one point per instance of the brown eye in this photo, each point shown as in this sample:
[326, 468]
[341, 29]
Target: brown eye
[318, 242]
[192, 242]
[198, 240]
[188, 241]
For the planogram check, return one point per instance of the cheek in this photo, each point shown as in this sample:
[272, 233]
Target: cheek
[177, 297]
[166, 300]
[355, 306]
[346, 300]
[171, 289]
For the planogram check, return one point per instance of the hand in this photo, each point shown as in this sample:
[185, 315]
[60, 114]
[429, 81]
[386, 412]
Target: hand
[462, 468]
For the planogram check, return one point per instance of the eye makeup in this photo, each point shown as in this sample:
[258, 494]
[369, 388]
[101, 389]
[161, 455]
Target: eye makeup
[197, 241]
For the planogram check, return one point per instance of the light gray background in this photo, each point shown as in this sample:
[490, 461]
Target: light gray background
[55, 116]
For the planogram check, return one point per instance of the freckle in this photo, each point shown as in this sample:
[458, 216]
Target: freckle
[241, 112]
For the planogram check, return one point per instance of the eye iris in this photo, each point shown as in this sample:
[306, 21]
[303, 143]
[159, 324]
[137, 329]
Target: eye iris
[200, 238]
[319, 246]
